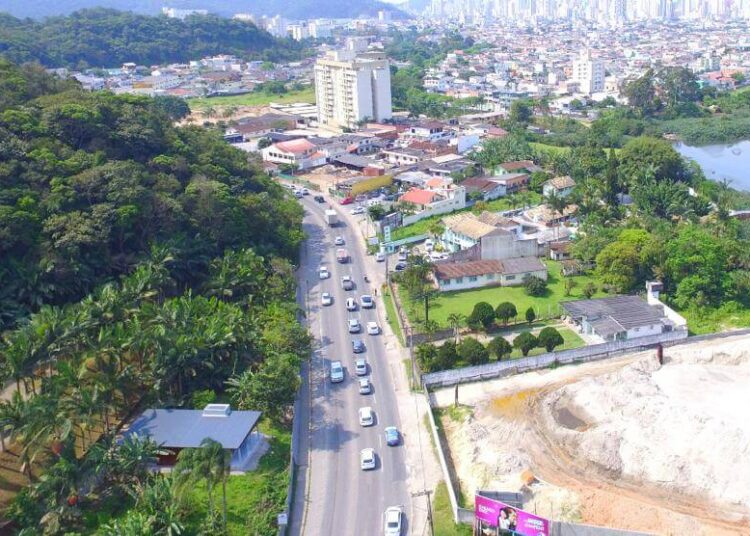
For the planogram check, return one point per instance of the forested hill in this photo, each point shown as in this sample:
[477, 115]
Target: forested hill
[108, 38]
[91, 183]
[290, 9]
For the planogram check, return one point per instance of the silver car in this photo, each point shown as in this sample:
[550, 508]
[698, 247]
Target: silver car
[354, 325]
[392, 521]
[367, 459]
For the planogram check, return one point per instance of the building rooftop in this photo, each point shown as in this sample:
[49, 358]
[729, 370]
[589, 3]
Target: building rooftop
[615, 314]
[418, 197]
[467, 224]
[448, 270]
[295, 146]
[560, 183]
[187, 428]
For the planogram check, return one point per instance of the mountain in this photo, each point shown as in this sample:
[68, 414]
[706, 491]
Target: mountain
[291, 9]
[107, 38]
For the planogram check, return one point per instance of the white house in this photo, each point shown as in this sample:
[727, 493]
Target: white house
[464, 275]
[300, 152]
[559, 186]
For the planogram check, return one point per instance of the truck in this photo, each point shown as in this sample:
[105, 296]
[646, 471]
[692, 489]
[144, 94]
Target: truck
[342, 256]
[331, 218]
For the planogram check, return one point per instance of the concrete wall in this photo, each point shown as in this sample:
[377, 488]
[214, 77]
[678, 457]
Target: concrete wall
[505, 246]
[457, 202]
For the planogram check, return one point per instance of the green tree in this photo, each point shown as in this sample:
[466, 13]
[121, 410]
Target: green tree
[645, 153]
[500, 348]
[447, 356]
[473, 352]
[626, 263]
[520, 112]
[455, 321]
[641, 94]
[505, 311]
[549, 338]
[482, 316]
[535, 286]
[530, 315]
[270, 389]
[498, 150]
[427, 357]
[589, 289]
[525, 342]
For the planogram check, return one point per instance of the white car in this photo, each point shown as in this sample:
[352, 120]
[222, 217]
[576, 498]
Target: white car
[339, 241]
[360, 366]
[305, 191]
[366, 301]
[359, 209]
[323, 272]
[392, 521]
[354, 325]
[326, 298]
[337, 372]
[298, 194]
[351, 304]
[380, 256]
[365, 387]
[367, 459]
[373, 328]
[429, 245]
[366, 416]
[347, 283]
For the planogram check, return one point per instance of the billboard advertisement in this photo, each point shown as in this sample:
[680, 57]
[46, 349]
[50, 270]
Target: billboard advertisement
[497, 514]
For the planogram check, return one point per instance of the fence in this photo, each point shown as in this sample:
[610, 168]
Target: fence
[500, 369]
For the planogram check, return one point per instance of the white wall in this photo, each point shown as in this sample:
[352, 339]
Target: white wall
[457, 202]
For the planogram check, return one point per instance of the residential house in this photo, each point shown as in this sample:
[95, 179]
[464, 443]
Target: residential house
[482, 188]
[405, 156]
[545, 215]
[517, 166]
[420, 199]
[433, 202]
[301, 153]
[430, 131]
[177, 429]
[480, 273]
[512, 182]
[559, 250]
[559, 186]
[486, 236]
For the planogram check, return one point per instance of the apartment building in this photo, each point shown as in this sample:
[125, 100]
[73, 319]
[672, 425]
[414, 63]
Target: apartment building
[589, 73]
[351, 87]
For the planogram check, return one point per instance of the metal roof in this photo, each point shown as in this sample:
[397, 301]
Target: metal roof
[186, 428]
[609, 313]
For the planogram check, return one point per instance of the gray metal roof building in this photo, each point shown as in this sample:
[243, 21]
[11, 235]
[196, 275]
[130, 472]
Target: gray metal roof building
[616, 314]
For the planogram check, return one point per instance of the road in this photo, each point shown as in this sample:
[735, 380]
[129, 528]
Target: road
[340, 498]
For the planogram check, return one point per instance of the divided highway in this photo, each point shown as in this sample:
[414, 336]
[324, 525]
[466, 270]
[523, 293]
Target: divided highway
[341, 499]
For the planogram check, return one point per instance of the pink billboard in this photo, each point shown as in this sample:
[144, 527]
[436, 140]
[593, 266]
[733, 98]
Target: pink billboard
[494, 513]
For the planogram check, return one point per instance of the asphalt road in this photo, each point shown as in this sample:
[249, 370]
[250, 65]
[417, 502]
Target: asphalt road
[341, 499]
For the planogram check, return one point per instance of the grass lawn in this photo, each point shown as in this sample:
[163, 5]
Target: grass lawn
[710, 320]
[390, 313]
[255, 498]
[572, 340]
[558, 150]
[442, 516]
[463, 301]
[255, 98]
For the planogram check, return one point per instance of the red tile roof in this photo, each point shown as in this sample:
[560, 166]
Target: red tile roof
[418, 197]
[295, 146]
[452, 270]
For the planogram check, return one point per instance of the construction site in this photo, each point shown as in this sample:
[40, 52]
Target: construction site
[633, 442]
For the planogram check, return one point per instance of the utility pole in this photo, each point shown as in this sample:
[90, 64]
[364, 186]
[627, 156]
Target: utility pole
[427, 493]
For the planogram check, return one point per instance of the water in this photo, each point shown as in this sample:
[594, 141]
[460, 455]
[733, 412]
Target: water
[730, 161]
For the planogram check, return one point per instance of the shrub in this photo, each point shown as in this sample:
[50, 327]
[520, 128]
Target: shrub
[589, 290]
[499, 347]
[549, 338]
[525, 342]
[447, 356]
[482, 316]
[473, 352]
[535, 286]
[530, 315]
[505, 311]
[427, 357]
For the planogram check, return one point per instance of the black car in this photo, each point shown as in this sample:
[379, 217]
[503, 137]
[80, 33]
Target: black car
[358, 346]
[319, 199]
[400, 266]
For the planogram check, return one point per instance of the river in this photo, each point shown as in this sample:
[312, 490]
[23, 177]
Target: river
[729, 161]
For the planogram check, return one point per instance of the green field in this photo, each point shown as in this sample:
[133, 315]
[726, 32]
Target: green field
[555, 149]
[464, 301]
[256, 98]
[390, 313]
[711, 320]
[443, 517]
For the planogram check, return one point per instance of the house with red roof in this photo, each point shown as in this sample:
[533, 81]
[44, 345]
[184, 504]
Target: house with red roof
[301, 153]
[419, 198]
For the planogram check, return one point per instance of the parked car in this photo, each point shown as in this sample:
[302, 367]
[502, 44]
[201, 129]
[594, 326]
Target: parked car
[323, 272]
[305, 191]
[358, 346]
[326, 298]
[298, 194]
[360, 367]
[380, 256]
[366, 416]
[392, 437]
[400, 266]
[319, 199]
[429, 245]
[373, 328]
[365, 387]
[354, 325]
[392, 521]
[346, 201]
[339, 241]
[347, 283]
[366, 301]
[359, 209]
[337, 372]
[367, 459]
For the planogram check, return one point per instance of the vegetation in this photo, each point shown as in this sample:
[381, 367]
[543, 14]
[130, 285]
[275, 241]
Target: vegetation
[108, 38]
[141, 265]
[443, 516]
[254, 98]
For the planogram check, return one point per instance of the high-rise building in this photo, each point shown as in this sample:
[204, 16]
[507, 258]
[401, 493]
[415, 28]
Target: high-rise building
[182, 14]
[589, 73]
[350, 88]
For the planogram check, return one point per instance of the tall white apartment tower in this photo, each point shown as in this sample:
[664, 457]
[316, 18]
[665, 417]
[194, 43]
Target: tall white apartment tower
[589, 73]
[350, 88]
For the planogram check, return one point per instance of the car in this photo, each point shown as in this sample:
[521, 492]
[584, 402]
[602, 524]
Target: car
[366, 301]
[347, 283]
[359, 209]
[373, 328]
[366, 416]
[323, 272]
[380, 256]
[392, 521]
[360, 366]
[326, 298]
[358, 346]
[429, 245]
[346, 201]
[319, 199]
[354, 325]
[305, 191]
[367, 459]
[351, 304]
[402, 255]
[337, 372]
[391, 436]
[339, 241]
[365, 387]
[298, 194]
[400, 266]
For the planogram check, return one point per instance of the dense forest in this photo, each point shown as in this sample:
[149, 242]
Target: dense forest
[140, 265]
[108, 38]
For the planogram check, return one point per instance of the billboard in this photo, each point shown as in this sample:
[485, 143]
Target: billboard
[494, 513]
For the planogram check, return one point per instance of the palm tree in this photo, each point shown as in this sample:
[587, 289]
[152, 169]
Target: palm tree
[209, 462]
[455, 321]
[557, 203]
